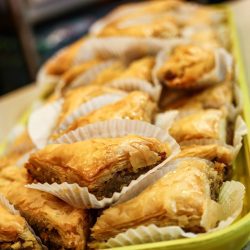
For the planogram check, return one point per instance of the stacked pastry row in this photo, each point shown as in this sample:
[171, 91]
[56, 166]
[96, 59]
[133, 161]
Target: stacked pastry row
[136, 138]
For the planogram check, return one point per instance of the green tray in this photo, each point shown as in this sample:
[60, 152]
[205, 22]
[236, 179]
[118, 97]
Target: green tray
[235, 236]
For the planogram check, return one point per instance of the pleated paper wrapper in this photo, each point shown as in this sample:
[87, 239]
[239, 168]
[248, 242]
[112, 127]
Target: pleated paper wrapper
[230, 200]
[4, 202]
[42, 122]
[79, 196]
[240, 130]
[223, 67]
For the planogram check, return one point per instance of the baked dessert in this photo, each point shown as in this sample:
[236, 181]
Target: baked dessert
[73, 72]
[14, 232]
[75, 97]
[59, 225]
[159, 26]
[103, 165]
[131, 12]
[216, 97]
[64, 59]
[180, 198]
[135, 106]
[139, 69]
[199, 124]
[208, 150]
[186, 65]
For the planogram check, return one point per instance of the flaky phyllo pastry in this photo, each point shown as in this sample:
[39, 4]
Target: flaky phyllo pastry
[130, 13]
[103, 165]
[59, 225]
[14, 232]
[199, 124]
[64, 59]
[212, 151]
[139, 69]
[73, 72]
[135, 106]
[185, 197]
[216, 97]
[186, 66]
[162, 26]
[75, 97]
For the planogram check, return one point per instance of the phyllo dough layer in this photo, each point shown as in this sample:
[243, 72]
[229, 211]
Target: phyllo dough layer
[180, 198]
[14, 232]
[104, 165]
[59, 225]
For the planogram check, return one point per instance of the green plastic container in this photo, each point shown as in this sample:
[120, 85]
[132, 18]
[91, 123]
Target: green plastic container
[235, 236]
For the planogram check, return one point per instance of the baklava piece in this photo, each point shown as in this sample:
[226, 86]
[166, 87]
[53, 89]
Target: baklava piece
[103, 165]
[186, 65]
[14, 232]
[180, 198]
[200, 124]
[59, 225]
[75, 97]
[135, 106]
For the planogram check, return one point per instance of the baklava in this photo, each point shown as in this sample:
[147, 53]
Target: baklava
[200, 124]
[215, 97]
[180, 198]
[103, 165]
[59, 225]
[186, 65]
[64, 59]
[135, 106]
[14, 232]
[75, 97]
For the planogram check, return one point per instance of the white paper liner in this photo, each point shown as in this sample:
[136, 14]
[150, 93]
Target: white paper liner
[79, 196]
[4, 202]
[131, 84]
[89, 107]
[128, 48]
[42, 122]
[231, 203]
[86, 77]
[223, 66]
[240, 130]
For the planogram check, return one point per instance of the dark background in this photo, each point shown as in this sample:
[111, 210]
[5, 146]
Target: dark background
[33, 30]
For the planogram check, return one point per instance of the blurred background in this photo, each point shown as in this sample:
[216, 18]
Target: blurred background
[32, 30]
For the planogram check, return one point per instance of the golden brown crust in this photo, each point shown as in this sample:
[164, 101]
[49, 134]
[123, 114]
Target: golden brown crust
[135, 106]
[14, 232]
[186, 65]
[53, 220]
[80, 95]
[63, 60]
[92, 162]
[139, 69]
[11, 226]
[128, 12]
[217, 97]
[76, 70]
[160, 26]
[109, 73]
[212, 152]
[200, 124]
[179, 198]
